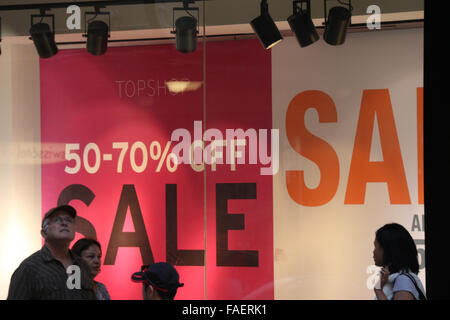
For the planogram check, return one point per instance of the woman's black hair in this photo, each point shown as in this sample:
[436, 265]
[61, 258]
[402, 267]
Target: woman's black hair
[399, 248]
[84, 244]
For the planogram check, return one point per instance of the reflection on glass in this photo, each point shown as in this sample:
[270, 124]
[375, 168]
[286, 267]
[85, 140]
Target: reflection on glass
[183, 86]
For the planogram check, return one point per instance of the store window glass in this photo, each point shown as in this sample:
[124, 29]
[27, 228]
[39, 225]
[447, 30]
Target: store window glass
[259, 173]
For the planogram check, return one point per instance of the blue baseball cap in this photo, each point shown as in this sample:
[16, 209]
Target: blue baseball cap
[161, 275]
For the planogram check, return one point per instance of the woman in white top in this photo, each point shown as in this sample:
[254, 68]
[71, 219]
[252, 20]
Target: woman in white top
[396, 252]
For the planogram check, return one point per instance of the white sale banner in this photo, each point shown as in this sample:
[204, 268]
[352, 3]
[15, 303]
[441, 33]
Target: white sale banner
[351, 159]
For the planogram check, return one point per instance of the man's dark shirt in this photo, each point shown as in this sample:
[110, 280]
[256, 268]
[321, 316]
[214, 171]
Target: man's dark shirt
[42, 277]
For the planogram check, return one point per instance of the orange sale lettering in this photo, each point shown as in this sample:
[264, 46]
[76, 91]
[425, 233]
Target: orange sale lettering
[362, 170]
[375, 104]
[313, 148]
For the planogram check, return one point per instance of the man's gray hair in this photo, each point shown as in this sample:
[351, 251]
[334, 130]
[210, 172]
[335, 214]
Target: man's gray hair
[45, 224]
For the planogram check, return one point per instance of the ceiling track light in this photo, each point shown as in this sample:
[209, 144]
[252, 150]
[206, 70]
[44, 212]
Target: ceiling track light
[265, 28]
[302, 25]
[97, 32]
[42, 36]
[186, 28]
[339, 18]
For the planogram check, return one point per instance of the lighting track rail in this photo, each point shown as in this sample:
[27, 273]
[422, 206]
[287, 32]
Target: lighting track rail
[336, 22]
[48, 6]
[97, 31]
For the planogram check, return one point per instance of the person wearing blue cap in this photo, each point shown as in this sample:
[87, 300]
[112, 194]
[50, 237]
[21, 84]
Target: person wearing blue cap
[160, 281]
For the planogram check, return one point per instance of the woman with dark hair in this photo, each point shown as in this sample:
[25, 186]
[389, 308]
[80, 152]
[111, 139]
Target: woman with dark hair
[90, 251]
[396, 252]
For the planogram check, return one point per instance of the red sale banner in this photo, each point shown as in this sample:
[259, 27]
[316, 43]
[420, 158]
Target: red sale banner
[244, 266]
[153, 177]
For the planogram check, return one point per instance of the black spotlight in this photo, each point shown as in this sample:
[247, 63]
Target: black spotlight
[185, 29]
[301, 24]
[97, 34]
[43, 37]
[265, 28]
[336, 24]
[97, 37]
[186, 34]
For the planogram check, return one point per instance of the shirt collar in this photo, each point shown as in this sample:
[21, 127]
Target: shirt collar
[86, 280]
[48, 256]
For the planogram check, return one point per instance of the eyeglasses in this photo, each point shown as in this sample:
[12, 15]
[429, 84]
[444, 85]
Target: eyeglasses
[60, 220]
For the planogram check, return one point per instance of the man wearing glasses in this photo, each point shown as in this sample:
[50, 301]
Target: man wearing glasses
[44, 275]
